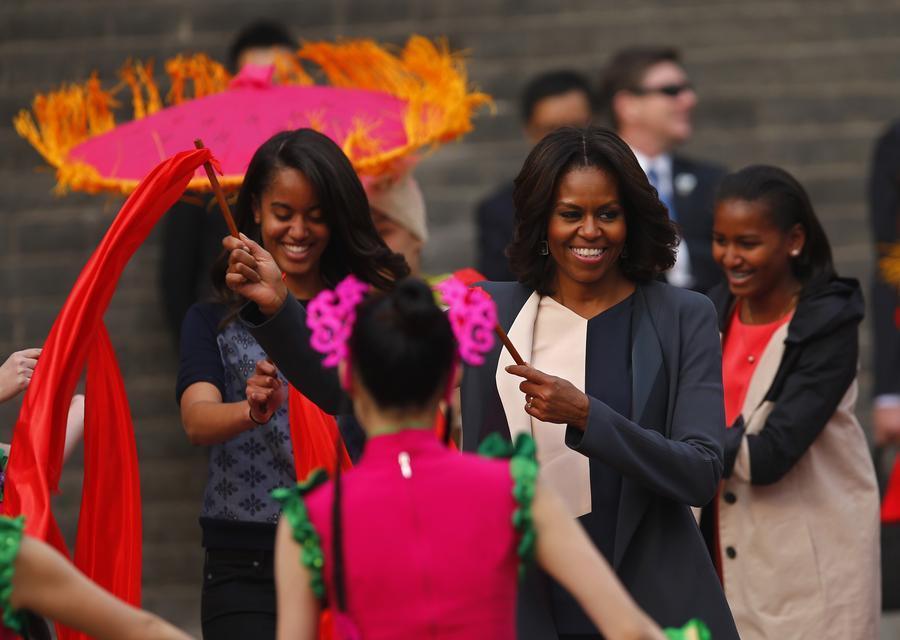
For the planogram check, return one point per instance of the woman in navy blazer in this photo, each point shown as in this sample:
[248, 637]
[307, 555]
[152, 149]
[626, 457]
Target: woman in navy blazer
[628, 409]
[624, 391]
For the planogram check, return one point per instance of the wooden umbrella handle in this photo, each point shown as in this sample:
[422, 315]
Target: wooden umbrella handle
[220, 195]
[508, 344]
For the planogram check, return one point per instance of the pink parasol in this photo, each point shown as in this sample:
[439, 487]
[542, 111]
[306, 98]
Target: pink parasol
[379, 106]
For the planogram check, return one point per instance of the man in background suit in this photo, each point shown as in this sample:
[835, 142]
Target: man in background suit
[884, 217]
[650, 100]
[550, 100]
[193, 228]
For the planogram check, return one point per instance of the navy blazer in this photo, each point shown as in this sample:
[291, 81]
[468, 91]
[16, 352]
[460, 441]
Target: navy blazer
[495, 220]
[670, 456]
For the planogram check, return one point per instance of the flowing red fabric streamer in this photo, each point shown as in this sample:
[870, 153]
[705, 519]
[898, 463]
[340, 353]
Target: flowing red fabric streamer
[108, 546]
[890, 506]
[314, 435]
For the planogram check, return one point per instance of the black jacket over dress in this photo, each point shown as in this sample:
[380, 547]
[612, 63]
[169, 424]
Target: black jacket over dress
[820, 361]
[669, 455]
[884, 217]
[694, 192]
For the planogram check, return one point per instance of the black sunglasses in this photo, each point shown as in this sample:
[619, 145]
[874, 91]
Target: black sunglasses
[671, 90]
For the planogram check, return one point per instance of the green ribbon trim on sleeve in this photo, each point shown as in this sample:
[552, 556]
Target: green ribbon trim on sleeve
[11, 531]
[693, 630]
[294, 509]
[523, 467]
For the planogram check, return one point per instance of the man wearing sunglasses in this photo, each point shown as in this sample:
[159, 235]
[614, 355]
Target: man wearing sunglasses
[650, 100]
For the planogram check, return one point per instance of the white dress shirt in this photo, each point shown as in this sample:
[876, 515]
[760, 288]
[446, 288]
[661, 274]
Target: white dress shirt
[680, 274]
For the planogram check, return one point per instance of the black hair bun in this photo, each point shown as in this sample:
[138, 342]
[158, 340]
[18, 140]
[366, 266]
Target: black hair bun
[414, 305]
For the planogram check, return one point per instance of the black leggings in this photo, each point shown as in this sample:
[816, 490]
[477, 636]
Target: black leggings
[238, 599]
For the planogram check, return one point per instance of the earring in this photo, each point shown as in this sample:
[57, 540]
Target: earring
[624, 254]
[544, 248]
[795, 253]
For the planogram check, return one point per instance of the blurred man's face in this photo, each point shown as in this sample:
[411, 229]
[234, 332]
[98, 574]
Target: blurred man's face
[570, 109]
[261, 56]
[662, 105]
[399, 240]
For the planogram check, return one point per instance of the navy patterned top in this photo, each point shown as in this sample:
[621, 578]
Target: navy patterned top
[238, 510]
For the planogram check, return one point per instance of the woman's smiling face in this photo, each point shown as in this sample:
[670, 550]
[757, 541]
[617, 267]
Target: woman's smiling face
[587, 229]
[751, 249]
[292, 226]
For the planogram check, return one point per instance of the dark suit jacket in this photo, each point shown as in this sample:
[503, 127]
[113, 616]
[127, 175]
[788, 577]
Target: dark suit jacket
[884, 217]
[670, 457]
[192, 240]
[694, 208]
[495, 222]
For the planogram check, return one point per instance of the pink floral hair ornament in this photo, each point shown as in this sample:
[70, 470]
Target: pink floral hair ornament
[331, 314]
[473, 316]
[330, 317]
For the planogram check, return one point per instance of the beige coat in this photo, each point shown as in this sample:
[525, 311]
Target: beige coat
[800, 557]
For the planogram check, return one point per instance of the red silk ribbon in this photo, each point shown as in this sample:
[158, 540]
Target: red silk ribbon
[108, 545]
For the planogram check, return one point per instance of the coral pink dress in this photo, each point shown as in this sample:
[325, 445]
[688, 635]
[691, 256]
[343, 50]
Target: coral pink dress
[429, 543]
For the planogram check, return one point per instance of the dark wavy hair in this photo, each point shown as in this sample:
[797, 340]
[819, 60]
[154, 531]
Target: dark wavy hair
[651, 237]
[354, 246]
[787, 204]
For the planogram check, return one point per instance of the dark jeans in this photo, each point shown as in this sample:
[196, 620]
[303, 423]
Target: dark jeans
[238, 599]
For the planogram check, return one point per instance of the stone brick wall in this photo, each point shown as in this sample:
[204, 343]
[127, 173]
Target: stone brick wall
[804, 84]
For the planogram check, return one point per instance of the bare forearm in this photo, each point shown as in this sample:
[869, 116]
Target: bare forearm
[148, 626]
[209, 423]
[125, 622]
[298, 608]
[47, 583]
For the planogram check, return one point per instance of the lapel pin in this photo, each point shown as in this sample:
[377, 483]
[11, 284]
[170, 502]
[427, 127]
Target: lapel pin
[685, 183]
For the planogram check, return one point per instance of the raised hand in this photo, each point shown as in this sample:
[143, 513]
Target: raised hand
[265, 391]
[16, 372]
[551, 398]
[254, 274]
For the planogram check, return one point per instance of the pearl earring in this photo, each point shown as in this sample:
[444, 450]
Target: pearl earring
[795, 253]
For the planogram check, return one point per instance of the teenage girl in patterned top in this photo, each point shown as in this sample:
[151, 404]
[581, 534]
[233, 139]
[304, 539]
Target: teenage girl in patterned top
[302, 200]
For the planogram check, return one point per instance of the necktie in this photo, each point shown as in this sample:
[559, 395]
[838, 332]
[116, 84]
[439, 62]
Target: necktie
[664, 195]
